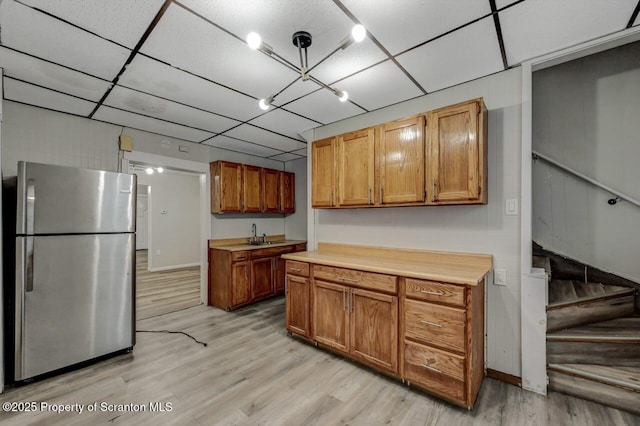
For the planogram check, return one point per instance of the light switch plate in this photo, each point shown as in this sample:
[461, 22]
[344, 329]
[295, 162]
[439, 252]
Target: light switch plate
[511, 207]
[499, 277]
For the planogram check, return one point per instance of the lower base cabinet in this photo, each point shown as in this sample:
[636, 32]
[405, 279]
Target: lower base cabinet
[428, 333]
[238, 278]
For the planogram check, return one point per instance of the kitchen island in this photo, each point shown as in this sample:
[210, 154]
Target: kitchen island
[413, 314]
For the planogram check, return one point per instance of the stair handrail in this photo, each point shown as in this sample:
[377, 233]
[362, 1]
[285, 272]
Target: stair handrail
[618, 194]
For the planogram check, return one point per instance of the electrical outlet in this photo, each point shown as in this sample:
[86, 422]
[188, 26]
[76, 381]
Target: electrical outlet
[157, 252]
[511, 207]
[499, 277]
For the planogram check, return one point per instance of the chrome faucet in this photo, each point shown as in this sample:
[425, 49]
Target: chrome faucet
[254, 235]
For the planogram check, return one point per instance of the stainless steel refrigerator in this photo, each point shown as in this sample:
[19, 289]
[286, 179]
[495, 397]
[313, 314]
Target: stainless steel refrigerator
[71, 294]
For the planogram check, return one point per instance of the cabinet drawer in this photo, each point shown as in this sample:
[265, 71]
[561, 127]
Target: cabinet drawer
[297, 268]
[435, 291]
[368, 280]
[436, 370]
[435, 324]
[237, 256]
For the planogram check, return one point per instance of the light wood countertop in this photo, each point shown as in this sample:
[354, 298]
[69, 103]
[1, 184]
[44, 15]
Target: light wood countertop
[456, 268]
[239, 244]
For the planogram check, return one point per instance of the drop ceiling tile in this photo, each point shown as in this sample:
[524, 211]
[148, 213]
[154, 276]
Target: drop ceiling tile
[136, 121]
[503, 3]
[33, 95]
[413, 21]
[151, 76]
[123, 21]
[324, 106]
[461, 56]
[232, 144]
[52, 76]
[348, 61]
[188, 42]
[286, 157]
[166, 110]
[277, 20]
[284, 122]
[33, 32]
[254, 134]
[534, 28]
[382, 85]
[302, 152]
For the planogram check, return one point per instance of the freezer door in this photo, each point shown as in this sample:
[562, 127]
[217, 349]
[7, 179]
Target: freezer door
[74, 300]
[67, 200]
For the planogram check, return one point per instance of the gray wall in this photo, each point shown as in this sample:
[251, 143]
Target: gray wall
[295, 225]
[479, 229]
[585, 116]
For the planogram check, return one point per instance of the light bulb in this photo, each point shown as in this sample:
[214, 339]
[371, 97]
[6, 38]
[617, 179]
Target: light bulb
[160, 169]
[264, 104]
[149, 170]
[254, 40]
[342, 95]
[358, 32]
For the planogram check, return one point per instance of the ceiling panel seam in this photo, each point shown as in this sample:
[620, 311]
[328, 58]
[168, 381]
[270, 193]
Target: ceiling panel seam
[496, 22]
[210, 138]
[53, 62]
[380, 46]
[634, 15]
[47, 88]
[162, 119]
[44, 12]
[133, 53]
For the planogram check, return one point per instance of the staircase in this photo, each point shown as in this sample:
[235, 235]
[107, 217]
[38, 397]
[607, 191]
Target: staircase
[593, 338]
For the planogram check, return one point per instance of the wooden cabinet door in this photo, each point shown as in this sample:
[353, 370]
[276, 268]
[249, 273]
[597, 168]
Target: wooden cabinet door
[251, 189]
[323, 173]
[280, 274]
[262, 278]
[226, 185]
[240, 283]
[331, 315]
[297, 305]
[374, 328]
[355, 159]
[401, 162]
[455, 154]
[287, 192]
[271, 191]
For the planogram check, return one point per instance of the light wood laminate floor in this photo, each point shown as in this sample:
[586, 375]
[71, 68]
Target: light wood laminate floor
[252, 373]
[162, 292]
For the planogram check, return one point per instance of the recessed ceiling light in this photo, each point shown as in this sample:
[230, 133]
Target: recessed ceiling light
[149, 170]
[160, 169]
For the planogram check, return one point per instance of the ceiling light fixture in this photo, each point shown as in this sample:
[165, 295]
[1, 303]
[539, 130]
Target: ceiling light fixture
[160, 169]
[302, 40]
[149, 170]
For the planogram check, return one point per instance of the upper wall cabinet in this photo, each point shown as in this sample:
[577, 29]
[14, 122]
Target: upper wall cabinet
[438, 157]
[457, 154]
[355, 160]
[252, 189]
[226, 186]
[323, 172]
[401, 162]
[240, 188]
[271, 191]
[287, 192]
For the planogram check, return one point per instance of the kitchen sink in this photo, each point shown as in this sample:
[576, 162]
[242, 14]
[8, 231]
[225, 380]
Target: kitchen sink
[260, 243]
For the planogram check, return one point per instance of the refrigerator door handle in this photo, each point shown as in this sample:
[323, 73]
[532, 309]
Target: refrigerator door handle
[31, 200]
[29, 264]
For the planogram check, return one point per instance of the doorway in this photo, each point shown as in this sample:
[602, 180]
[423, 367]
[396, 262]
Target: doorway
[169, 237]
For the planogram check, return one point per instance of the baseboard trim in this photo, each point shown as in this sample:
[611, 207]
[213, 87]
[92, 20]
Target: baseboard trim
[171, 267]
[504, 377]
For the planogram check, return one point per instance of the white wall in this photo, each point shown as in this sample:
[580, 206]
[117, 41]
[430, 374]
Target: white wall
[480, 229]
[295, 224]
[142, 218]
[174, 212]
[585, 115]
